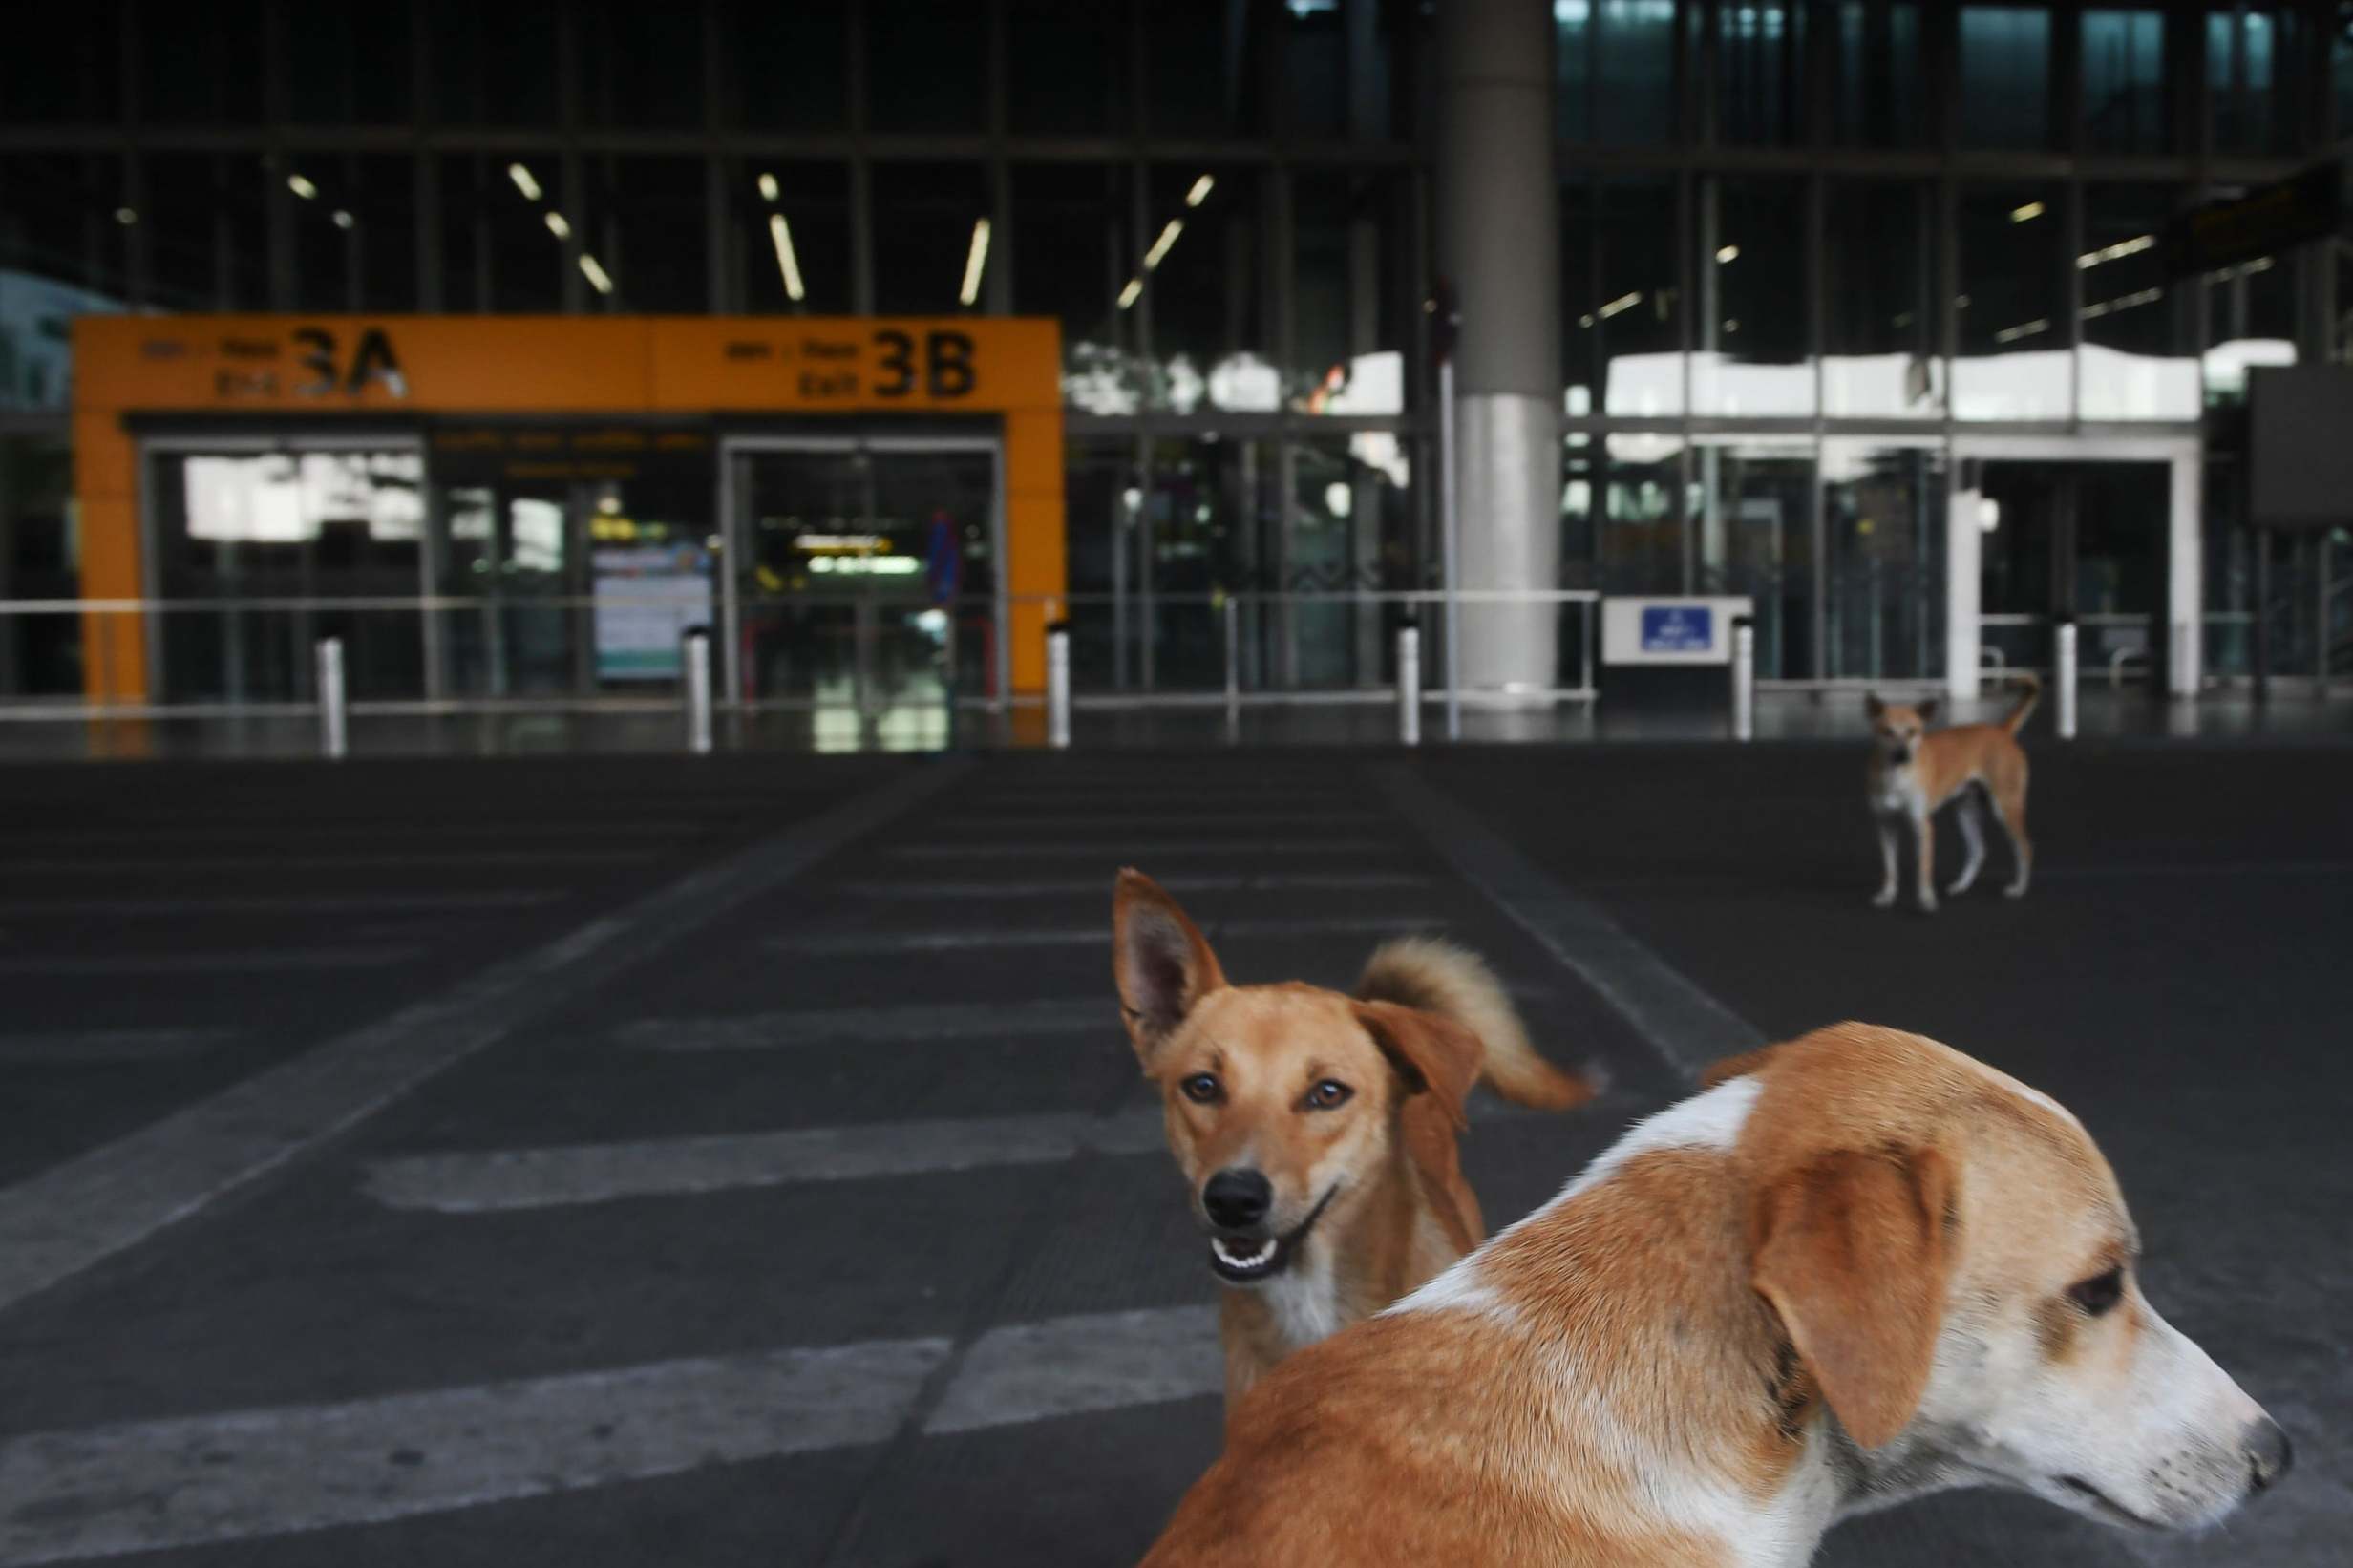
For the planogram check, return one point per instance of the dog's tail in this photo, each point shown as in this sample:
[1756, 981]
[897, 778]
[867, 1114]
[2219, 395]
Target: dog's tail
[2019, 716]
[1438, 976]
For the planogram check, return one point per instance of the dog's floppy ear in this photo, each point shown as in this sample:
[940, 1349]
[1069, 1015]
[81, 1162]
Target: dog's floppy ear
[1927, 711]
[1434, 1055]
[1160, 961]
[1852, 1251]
[1872, 705]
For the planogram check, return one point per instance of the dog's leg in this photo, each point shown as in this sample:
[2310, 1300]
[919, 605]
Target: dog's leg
[2012, 810]
[1971, 815]
[1925, 834]
[1885, 898]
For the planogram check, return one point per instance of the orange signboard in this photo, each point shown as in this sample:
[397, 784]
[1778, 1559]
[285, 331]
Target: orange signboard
[289, 367]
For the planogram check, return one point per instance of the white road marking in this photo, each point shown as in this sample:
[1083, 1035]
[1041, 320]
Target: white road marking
[261, 904]
[55, 1224]
[92, 1045]
[918, 1021]
[273, 860]
[1118, 851]
[1035, 1371]
[223, 961]
[193, 1480]
[502, 1181]
[1096, 935]
[1687, 1025]
[1325, 881]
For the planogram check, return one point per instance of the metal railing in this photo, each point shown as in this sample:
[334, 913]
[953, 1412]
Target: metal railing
[440, 655]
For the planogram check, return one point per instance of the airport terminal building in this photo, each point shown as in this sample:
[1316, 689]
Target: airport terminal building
[506, 343]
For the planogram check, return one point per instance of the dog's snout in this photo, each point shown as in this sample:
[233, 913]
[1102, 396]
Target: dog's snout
[1237, 1196]
[2270, 1455]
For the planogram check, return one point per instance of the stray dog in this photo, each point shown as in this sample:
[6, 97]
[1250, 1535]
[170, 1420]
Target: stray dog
[1316, 1131]
[1860, 1268]
[1914, 773]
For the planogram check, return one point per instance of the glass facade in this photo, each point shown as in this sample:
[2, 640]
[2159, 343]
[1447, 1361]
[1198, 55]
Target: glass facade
[1783, 229]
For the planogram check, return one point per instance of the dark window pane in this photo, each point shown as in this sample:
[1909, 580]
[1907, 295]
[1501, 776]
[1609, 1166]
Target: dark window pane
[2014, 361]
[2124, 82]
[1208, 295]
[2005, 77]
[61, 218]
[799, 237]
[1633, 83]
[1315, 67]
[2135, 362]
[1628, 319]
[200, 64]
[1881, 99]
[923, 216]
[1354, 291]
[1067, 67]
[1204, 68]
[786, 67]
[347, 64]
[496, 65]
[645, 229]
[2252, 69]
[1760, 92]
[640, 65]
[1882, 311]
[1753, 358]
[60, 64]
[925, 64]
[1071, 257]
[500, 253]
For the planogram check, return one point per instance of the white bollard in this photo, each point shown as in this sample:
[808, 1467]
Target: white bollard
[333, 738]
[1409, 686]
[2064, 677]
[697, 653]
[1744, 681]
[1058, 687]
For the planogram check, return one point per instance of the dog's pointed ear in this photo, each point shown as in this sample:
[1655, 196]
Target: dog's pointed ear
[1436, 1056]
[1872, 705]
[1927, 711]
[1854, 1250]
[1160, 961]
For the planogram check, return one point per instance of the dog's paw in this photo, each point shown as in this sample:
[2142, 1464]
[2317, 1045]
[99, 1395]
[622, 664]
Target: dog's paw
[2016, 890]
[1884, 898]
[1926, 904]
[1958, 885]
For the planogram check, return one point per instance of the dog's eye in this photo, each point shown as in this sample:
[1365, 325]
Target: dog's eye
[2099, 1294]
[1202, 1088]
[1329, 1095]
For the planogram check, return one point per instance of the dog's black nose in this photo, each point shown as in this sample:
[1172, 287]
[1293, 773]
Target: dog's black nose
[1237, 1198]
[2270, 1455]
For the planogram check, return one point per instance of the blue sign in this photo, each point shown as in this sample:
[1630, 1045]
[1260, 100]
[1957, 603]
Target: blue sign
[1677, 628]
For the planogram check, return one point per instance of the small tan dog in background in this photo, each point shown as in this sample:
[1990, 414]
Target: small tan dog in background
[1316, 1131]
[1916, 771]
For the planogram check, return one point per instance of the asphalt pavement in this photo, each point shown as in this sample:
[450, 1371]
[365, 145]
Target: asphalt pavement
[621, 1159]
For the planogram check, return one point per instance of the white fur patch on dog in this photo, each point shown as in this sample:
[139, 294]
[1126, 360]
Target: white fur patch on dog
[1712, 1120]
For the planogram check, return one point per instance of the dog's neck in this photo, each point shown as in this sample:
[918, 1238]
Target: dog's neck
[1632, 1298]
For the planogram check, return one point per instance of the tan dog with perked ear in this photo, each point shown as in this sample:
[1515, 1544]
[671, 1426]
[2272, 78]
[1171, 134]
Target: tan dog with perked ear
[1316, 1131]
[1860, 1268]
[1914, 771]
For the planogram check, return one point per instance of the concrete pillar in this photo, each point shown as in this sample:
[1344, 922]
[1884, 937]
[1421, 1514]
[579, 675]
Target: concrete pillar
[1963, 632]
[1499, 241]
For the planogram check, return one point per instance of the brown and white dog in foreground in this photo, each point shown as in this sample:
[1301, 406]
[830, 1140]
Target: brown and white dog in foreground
[1914, 771]
[1316, 1131]
[1860, 1268]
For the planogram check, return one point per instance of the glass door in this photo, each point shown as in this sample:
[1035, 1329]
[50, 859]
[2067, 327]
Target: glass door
[299, 523]
[865, 573]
